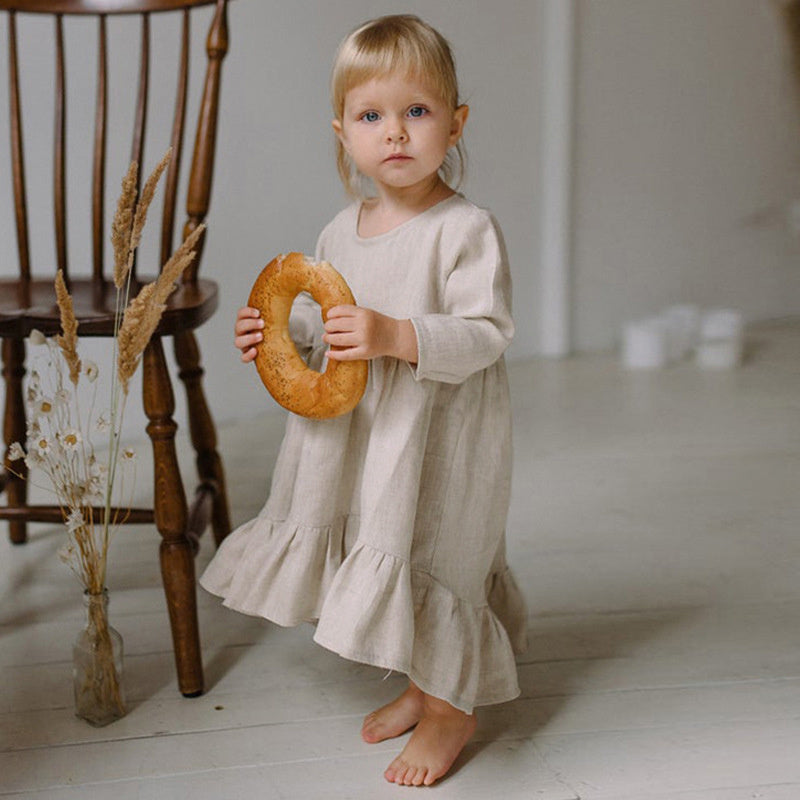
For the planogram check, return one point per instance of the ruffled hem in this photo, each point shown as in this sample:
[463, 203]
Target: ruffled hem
[277, 570]
[506, 600]
[372, 607]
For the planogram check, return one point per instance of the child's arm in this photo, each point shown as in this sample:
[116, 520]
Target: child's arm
[361, 333]
[474, 324]
[248, 332]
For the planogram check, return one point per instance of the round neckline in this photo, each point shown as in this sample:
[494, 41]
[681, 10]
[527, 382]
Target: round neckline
[391, 231]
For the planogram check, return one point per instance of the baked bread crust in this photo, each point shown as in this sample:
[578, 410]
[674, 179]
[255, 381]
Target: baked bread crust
[288, 378]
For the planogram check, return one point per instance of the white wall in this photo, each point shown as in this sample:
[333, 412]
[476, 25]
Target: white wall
[276, 183]
[686, 154]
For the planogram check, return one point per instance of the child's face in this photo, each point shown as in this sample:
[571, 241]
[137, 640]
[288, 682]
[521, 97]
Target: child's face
[398, 130]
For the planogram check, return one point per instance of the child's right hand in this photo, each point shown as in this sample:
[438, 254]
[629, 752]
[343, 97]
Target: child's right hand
[248, 332]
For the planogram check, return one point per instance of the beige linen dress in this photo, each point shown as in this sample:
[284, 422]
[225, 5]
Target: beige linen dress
[385, 526]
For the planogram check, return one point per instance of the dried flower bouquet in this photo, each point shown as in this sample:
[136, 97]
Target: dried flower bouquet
[62, 415]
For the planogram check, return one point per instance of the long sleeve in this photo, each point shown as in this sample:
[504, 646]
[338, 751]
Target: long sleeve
[475, 325]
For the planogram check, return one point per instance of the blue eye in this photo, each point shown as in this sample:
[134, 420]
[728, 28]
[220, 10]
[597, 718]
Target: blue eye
[370, 116]
[417, 111]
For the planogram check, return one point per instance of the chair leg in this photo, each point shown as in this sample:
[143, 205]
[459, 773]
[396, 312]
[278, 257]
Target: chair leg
[14, 430]
[177, 559]
[203, 433]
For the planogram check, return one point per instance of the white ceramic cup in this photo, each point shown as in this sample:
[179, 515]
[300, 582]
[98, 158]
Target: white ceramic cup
[683, 329]
[645, 344]
[721, 339]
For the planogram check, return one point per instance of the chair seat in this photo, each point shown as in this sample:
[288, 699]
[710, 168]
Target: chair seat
[32, 305]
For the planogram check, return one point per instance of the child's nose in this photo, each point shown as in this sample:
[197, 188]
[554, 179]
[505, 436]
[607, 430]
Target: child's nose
[395, 132]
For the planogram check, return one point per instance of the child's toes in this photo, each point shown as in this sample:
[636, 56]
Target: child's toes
[395, 771]
[408, 778]
[403, 776]
[368, 729]
[419, 778]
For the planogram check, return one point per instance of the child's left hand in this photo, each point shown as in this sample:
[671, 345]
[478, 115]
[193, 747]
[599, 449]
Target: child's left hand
[356, 333]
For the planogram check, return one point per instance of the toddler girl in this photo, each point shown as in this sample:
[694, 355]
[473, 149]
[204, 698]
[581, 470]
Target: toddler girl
[385, 526]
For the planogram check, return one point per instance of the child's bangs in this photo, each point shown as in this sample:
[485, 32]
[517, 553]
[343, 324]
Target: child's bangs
[377, 59]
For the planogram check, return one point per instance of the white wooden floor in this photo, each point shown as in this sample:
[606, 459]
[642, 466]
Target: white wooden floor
[654, 528]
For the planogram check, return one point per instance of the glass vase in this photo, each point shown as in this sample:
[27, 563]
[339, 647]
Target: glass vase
[97, 666]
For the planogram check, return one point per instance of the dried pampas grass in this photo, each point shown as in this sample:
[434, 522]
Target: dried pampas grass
[122, 226]
[68, 341]
[131, 216]
[142, 316]
[146, 197]
[138, 322]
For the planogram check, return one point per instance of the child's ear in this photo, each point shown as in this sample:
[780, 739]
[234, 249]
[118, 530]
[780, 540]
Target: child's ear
[337, 129]
[457, 126]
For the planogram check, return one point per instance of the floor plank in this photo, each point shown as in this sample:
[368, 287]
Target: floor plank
[653, 531]
[660, 760]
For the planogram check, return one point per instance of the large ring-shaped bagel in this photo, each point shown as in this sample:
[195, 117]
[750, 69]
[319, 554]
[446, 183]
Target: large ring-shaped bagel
[288, 378]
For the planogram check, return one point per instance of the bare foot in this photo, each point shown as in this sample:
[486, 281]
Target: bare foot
[394, 718]
[435, 744]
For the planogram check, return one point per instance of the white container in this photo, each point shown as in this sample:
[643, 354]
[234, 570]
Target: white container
[719, 353]
[721, 339]
[645, 344]
[721, 323]
[683, 329]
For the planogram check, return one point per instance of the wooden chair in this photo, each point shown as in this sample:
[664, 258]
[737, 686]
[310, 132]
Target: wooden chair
[28, 302]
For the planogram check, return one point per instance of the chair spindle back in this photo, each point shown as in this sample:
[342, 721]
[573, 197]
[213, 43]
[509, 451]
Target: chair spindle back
[199, 185]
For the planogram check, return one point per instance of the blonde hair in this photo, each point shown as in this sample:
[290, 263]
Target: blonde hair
[396, 43]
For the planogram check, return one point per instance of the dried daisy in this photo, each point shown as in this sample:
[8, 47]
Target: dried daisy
[92, 371]
[16, 452]
[70, 439]
[75, 520]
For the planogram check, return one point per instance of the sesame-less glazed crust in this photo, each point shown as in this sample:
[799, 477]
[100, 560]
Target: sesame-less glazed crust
[288, 378]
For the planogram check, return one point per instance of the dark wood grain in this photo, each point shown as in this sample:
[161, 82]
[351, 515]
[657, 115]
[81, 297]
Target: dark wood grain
[54, 514]
[17, 151]
[99, 152]
[140, 118]
[59, 153]
[172, 517]
[203, 433]
[188, 307]
[99, 6]
[200, 177]
[176, 143]
[16, 487]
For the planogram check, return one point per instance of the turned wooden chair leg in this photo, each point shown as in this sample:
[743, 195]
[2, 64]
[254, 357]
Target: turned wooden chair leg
[203, 433]
[14, 430]
[177, 557]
